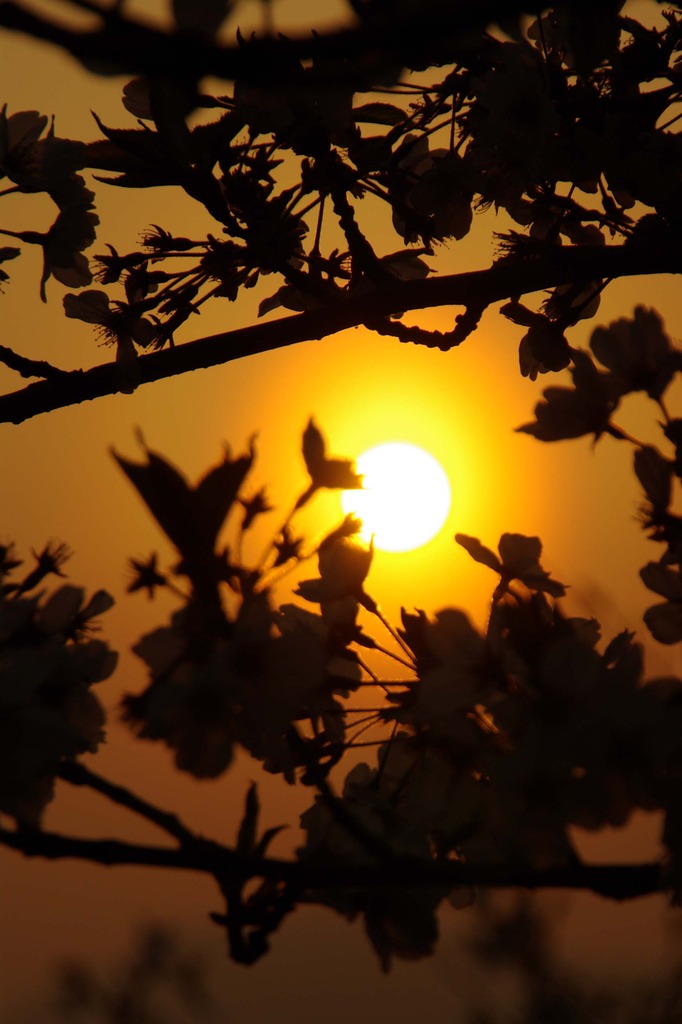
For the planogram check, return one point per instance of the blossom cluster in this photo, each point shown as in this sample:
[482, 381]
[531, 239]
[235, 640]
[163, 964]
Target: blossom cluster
[48, 663]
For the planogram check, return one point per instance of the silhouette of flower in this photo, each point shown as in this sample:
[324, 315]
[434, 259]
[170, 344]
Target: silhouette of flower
[110, 268]
[47, 711]
[337, 474]
[573, 412]
[64, 612]
[287, 547]
[638, 352]
[49, 561]
[519, 560]
[255, 506]
[147, 576]
[72, 232]
[213, 689]
[48, 165]
[191, 517]
[457, 679]
[119, 324]
[343, 563]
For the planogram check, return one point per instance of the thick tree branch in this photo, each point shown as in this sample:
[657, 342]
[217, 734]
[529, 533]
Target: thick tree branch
[131, 47]
[475, 289]
[616, 881]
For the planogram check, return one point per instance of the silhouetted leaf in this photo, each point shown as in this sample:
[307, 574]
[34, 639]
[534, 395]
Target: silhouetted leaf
[406, 265]
[378, 113]
[217, 491]
[654, 473]
[479, 552]
[248, 828]
[324, 472]
[314, 448]
[290, 298]
[190, 517]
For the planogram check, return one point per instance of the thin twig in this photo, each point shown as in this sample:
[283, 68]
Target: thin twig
[78, 775]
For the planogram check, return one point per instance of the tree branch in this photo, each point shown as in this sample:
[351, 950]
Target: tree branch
[78, 775]
[124, 45]
[615, 881]
[30, 367]
[474, 289]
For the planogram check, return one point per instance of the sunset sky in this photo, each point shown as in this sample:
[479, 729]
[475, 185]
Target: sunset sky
[59, 480]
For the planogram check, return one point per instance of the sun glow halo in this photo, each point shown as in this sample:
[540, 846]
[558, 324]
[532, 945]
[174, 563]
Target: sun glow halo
[405, 499]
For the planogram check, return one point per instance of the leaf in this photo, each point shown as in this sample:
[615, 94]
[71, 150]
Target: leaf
[291, 298]
[265, 840]
[313, 448]
[246, 837]
[336, 474]
[166, 494]
[478, 552]
[272, 302]
[654, 473]
[217, 491]
[378, 113]
[518, 313]
[406, 266]
[190, 517]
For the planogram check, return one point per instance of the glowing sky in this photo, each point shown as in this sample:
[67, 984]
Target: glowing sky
[462, 406]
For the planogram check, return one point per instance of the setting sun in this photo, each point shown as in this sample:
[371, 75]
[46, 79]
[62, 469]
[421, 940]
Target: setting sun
[405, 498]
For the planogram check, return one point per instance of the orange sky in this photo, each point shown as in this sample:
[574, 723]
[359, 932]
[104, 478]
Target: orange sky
[59, 481]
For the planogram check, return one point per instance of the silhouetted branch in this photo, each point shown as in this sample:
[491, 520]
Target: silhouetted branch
[78, 775]
[616, 881]
[129, 46]
[30, 367]
[472, 290]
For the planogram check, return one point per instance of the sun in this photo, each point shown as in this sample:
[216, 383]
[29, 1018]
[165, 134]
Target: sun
[405, 499]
